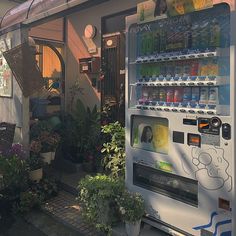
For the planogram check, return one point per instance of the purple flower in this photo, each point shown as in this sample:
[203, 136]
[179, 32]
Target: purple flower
[16, 150]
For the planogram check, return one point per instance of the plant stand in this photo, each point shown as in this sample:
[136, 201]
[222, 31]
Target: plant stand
[132, 229]
[36, 175]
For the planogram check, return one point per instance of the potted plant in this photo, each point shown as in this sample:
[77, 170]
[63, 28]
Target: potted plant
[131, 207]
[45, 151]
[49, 143]
[53, 141]
[35, 165]
[96, 195]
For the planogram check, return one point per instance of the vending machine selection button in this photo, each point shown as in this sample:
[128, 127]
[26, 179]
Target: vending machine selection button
[226, 131]
[194, 140]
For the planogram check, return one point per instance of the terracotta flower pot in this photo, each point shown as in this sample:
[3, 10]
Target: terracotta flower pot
[36, 175]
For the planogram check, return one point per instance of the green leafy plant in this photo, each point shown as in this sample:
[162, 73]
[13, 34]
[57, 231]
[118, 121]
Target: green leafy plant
[131, 206]
[114, 149]
[97, 200]
[28, 201]
[87, 126]
[14, 172]
[34, 162]
[46, 188]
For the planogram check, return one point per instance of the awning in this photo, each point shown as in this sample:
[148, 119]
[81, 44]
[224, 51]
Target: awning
[35, 10]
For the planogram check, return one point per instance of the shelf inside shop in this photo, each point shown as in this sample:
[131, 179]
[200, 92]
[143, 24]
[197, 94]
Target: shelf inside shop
[210, 110]
[180, 56]
[183, 81]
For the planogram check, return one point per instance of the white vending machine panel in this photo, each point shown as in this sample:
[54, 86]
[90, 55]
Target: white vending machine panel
[180, 120]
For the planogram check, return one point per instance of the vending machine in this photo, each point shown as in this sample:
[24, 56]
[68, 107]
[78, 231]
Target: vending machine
[180, 117]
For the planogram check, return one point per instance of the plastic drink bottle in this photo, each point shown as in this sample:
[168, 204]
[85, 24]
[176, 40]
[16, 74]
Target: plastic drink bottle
[170, 94]
[178, 95]
[204, 35]
[215, 34]
[162, 95]
[156, 42]
[203, 95]
[162, 39]
[154, 94]
[194, 68]
[187, 94]
[195, 95]
[213, 95]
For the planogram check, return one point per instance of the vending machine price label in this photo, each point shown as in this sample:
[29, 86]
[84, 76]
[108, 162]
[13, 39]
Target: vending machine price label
[194, 140]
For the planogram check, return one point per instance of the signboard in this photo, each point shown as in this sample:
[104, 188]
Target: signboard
[25, 69]
[5, 71]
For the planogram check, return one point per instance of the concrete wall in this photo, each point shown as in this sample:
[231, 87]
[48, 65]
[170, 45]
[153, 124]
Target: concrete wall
[16, 109]
[76, 48]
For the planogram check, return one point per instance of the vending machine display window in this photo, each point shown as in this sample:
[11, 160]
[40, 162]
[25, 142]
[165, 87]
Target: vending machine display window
[150, 133]
[181, 63]
[173, 186]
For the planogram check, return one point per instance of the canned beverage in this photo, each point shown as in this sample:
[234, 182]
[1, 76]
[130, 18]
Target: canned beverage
[195, 95]
[178, 94]
[203, 95]
[213, 95]
[162, 95]
[187, 94]
[170, 94]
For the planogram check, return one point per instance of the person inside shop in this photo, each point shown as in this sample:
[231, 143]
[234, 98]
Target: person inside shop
[161, 8]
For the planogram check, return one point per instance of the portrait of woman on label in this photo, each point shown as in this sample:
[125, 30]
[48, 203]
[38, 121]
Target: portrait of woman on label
[147, 135]
[161, 8]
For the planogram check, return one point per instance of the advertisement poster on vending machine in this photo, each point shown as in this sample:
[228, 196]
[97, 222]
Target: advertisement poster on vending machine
[181, 7]
[151, 134]
[151, 10]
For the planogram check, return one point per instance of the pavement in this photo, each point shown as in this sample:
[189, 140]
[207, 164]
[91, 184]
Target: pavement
[60, 216]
